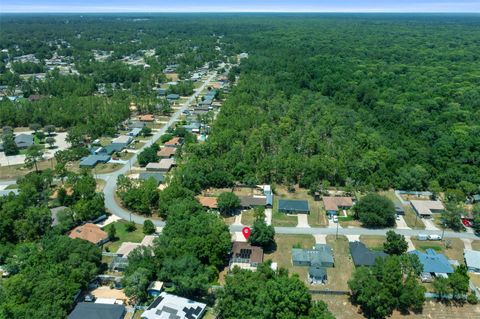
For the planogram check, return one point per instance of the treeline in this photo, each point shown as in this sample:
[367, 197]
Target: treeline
[92, 115]
[46, 269]
[358, 101]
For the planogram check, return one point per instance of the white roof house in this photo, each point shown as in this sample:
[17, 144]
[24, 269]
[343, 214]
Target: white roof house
[167, 306]
[425, 207]
[164, 165]
[472, 260]
[124, 139]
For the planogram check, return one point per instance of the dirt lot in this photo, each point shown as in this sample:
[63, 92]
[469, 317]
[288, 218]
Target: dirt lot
[107, 292]
[341, 307]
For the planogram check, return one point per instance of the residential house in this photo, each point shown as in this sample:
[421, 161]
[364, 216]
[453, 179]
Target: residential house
[208, 202]
[90, 232]
[433, 263]
[174, 142]
[92, 160]
[317, 259]
[134, 132]
[334, 204]
[122, 139]
[167, 152]
[362, 256]
[247, 202]
[472, 260]
[293, 206]
[146, 118]
[127, 247]
[168, 306]
[112, 148]
[173, 97]
[92, 310]
[136, 124]
[157, 176]
[246, 256]
[193, 127]
[164, 165]
[425, 208]
[162, 92]
[24, 140]
[267, 191]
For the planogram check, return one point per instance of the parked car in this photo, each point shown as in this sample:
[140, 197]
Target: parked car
[422, 237]
[335, 219]
[467, 223]
[434, 237]
[397, 217]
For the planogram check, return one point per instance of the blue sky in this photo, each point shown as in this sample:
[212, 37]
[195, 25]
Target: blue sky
[239, 6]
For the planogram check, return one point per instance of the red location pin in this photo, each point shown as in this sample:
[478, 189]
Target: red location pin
[246, 232]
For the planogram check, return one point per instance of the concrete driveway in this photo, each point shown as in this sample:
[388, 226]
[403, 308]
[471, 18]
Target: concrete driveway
[303, 221]
[268, 216]
[429, 224]
[401, 224]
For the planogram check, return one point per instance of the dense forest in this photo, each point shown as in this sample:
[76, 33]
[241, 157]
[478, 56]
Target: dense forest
[358, 100]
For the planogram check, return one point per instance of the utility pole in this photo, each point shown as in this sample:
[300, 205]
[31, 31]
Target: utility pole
[336, 235]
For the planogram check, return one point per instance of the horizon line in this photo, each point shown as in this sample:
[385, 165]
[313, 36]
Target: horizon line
[259, 11]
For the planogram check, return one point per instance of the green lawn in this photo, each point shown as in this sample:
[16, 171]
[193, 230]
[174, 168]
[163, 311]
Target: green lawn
[283, 220]
[248, 217]
[122, 235]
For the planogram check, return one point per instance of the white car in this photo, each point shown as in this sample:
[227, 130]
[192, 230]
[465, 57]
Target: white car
[434, 237]
[335, 219]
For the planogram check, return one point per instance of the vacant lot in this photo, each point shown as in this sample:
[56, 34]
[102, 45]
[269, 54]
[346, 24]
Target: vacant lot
[122, 235]
[341, 307]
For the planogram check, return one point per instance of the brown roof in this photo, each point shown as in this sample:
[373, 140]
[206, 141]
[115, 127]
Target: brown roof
[242, 250]
[89, 232]
[146, 118]
[332, 203]
[174, 141]
[167, 151]
[248, 201]
[210, 202]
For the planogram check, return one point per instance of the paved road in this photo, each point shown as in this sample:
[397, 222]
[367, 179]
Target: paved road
[359, 231]
[111, 178]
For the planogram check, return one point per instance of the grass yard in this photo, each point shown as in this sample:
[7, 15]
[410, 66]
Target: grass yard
[317, 216]
[248, 217]
[104, 168]
[339, 275]
[476, 245]
[283, 220]
[283, 254]
[341, 307]
[12, 186]
[122, 235]
[228, 220]
[373, 242]
[454, 252]
[14, 171]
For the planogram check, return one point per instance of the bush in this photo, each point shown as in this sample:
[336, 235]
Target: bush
[472, 299]
[130, 226]
[148, 227]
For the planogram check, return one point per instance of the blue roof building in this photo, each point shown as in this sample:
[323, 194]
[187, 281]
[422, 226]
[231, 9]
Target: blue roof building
[92, 160]
[158, 177]
[433, 262]
[173, 97]
[293, 206]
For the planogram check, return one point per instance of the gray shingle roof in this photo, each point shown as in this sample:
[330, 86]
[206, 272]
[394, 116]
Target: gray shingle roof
[362, 256]
[92, 310]
[293, 205]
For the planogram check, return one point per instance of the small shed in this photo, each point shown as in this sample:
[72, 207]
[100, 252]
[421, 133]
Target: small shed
[293, 206]
[472, 260]
[155, 288]
[173, 97]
